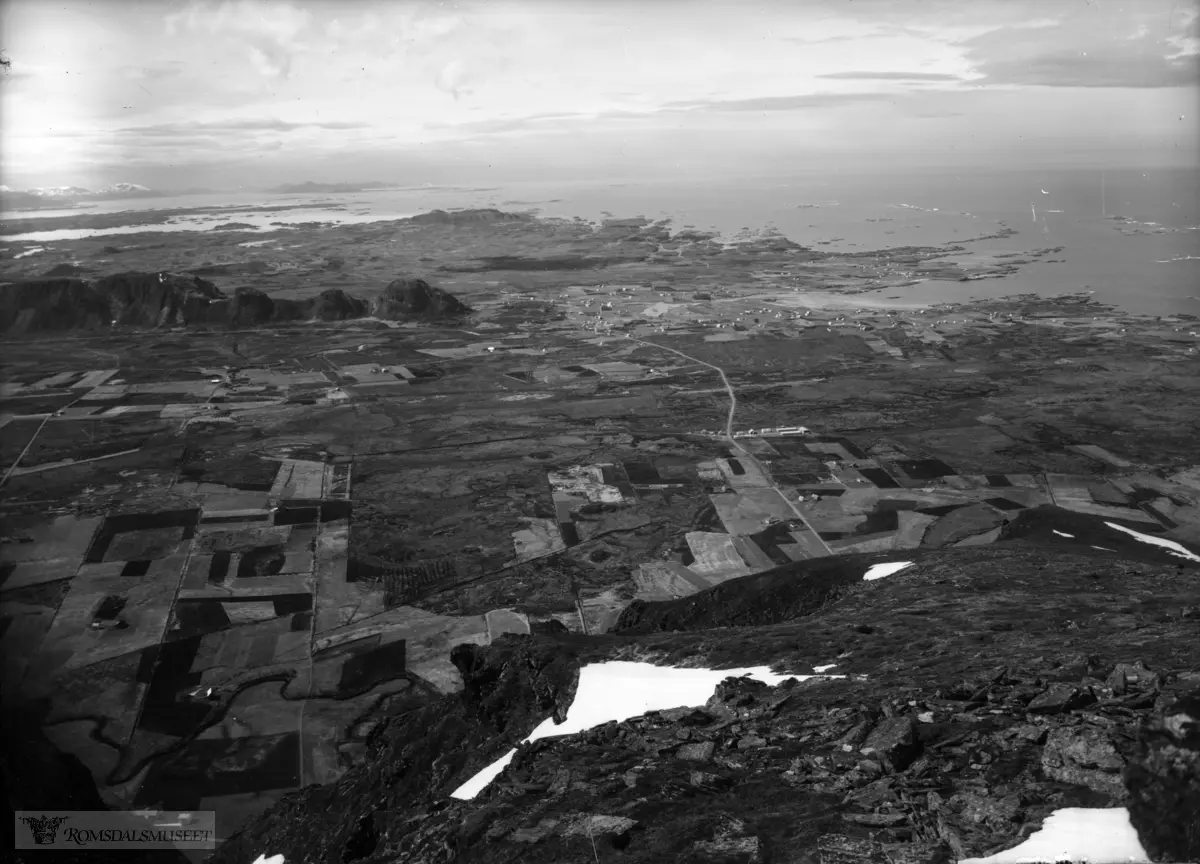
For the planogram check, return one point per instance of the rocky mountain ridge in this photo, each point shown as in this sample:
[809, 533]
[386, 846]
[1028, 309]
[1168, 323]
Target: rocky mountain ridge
[176, 300]
[984, 689]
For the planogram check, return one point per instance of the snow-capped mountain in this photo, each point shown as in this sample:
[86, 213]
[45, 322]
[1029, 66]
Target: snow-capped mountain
[60, 191]
[40, 197]
[113, 191]
[124, 189]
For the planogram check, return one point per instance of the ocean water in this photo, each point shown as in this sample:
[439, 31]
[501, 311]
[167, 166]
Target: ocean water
[1154, 271]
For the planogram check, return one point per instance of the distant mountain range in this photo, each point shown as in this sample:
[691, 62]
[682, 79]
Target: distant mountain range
[57, 196]
[117, 190]
[310, 187]
[40, 197]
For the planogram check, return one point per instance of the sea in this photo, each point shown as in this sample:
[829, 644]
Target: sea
[1129, 236]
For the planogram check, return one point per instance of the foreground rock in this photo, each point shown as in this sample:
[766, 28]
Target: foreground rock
[954, 735]
[1162, 775]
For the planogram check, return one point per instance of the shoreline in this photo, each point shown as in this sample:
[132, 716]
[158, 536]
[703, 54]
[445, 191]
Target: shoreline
[906, 274]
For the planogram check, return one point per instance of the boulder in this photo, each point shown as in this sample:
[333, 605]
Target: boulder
[1084, 756]
[596, 824]
[701, 751]
[1126, 677]
[734, 693]
[894, 742]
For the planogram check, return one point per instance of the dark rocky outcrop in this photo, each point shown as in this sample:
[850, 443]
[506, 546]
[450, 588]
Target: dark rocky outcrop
[250, 308]
[415, 298]
[147, 300]
[156, 299]
[1162, 776]
[466, 217]
[337, 305]
[120, 300]
[752, 601]
[52, 304]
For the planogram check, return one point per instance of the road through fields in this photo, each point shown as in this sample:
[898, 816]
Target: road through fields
[733, 442]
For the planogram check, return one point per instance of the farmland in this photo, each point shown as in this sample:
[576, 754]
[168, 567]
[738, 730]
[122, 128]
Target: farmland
[243, 548]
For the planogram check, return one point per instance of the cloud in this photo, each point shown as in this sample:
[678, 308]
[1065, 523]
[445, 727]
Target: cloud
[450, 78]
[1084, 70]
[508, 124]
[270, 32]
[844, 37]
[781, 103]
[1120, 52]
[1187, 38]
[548, 121]
[232, 127]
[891, 76]
[277, 21]
[172, 69]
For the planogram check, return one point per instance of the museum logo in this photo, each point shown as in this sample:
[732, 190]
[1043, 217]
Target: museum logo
[44, 828]
[104, 829]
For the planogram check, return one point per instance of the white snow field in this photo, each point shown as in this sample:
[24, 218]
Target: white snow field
[619, 690]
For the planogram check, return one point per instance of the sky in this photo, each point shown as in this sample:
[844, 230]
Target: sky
[232, 94]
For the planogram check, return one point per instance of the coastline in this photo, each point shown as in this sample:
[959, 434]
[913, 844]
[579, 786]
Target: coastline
[1142, 263]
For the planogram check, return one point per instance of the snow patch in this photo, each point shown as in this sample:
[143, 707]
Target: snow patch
[1077, 834]
[824, 668]
[878, 571]
[269, 859]
[1176, 549]
[1062, 534]
[619, 690]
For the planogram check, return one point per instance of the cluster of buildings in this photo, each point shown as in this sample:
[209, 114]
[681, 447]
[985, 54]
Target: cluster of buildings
[759, 433]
